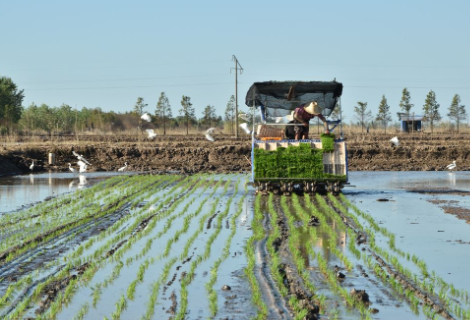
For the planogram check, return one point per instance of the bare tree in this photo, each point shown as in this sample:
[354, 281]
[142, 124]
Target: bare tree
[362, 114]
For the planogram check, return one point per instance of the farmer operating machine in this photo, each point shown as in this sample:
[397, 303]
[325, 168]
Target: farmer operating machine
[283, 165]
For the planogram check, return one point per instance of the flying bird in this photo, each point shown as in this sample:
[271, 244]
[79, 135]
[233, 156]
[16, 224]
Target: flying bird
[279, 119]
[209, 134]
[451, 166]
[72, 169]
[395, 141]
[80, 157]
[82, 166]
[146, 117]
[245, 128]
[123, 168]
[151, 133]
[31, 167]
[243, 116]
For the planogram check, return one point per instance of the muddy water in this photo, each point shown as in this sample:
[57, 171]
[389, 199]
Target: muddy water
[412, 206]
[20, 191]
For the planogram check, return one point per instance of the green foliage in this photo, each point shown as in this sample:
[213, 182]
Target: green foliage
[405, 104]
[163, 111]
[139, 106]
[328, 142]
[431, 109]
[10, 101]
[209, 118]
[457, 111]
[292, 162]
[187, 111]
[384, 113]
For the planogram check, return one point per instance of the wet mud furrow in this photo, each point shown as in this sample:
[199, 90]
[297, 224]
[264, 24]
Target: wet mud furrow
[427, 298]
[60, 245]
[289, 280]
[60, 285]
[277, 305]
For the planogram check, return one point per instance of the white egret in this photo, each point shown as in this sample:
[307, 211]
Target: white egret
[245, 128]
[31, 167]
[80, 157]
[209, 134]
[395, 141]
[82, 166]
[151, 133]
[146, 117]
[123, 168]
[72, 169]
[452, 166]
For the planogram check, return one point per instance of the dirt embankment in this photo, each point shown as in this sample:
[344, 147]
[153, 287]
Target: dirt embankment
[190, 154]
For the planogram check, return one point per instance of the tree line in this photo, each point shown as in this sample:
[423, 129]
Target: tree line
[430, 111]
[65, 119]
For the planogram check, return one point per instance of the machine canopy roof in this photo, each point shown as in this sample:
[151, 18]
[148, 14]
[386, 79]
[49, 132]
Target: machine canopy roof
[281, 97]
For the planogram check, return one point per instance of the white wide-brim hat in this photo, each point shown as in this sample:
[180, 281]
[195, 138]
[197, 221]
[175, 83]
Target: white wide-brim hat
[313, 108]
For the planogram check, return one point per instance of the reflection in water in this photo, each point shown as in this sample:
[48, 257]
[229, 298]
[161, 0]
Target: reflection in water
[82, 181]
[452, 179]
[24, 190]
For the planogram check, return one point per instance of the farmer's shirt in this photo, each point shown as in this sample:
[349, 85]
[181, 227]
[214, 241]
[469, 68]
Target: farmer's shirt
[304, 115]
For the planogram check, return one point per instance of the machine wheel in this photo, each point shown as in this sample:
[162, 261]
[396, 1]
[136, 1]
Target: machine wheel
[290, 186]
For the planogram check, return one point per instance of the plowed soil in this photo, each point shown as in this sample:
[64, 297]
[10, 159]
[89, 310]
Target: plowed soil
[192, 154]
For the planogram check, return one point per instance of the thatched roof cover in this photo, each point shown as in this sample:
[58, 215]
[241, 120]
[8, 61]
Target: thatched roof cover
[285, 96]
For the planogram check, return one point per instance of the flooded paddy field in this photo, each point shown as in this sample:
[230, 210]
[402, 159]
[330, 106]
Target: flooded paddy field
[206, 246]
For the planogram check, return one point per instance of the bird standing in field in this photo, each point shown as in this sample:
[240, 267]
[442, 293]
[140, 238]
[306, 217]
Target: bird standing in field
[151, 133]
[31, 167]
[210, 134]
[80, 157]
[395, 141]
[146, 117]
[123, 168]
[452, 166]
[72, 169]
[82, 166]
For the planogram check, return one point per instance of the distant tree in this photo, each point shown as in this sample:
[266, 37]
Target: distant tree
[431, 109]
[337, 113]
[230, 112]
[384, 115]
[362, 114]
[139, 106]
[405, 104]
[457, 111]
[11, 100]
[187, 111]
[208, 116]
[163, 111]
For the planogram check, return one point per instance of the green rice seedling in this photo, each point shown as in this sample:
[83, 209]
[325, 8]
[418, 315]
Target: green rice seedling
[156, 288]
[121, 305]
[212, 295]
[249, 270]
[82, 312]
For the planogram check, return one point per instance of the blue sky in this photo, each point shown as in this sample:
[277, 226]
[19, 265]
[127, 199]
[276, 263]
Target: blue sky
[108, 53]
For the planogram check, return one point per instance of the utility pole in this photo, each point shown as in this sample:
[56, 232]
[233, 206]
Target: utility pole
[236, 92]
